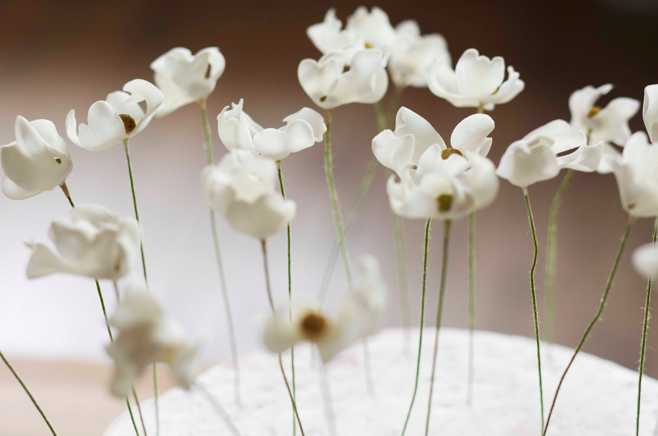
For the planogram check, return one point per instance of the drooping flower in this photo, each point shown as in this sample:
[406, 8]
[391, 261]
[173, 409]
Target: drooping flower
[94, 243]
[237, 130]
[329, 37]
[185, 78]
[374, 27]
[535, 157]
[37, 161]
[148, 335]
[650, 111]
[609, 124]
[242, 188]
[645, 260]
[117, 118]
[328, 84]
[476, 81]
[358, 317]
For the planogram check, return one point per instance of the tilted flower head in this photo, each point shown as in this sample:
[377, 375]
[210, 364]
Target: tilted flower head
[117, 118]
[185, 78]
[328, 37]
[242, 188]
[94, 243]
[645, 260]
[37, 161]
[535, 157]
[328, 84]
[609, 124]
[148, 335]
[374, 27]
[238, 131]
[637, 176]
[650, 111]
[476, 81]
[358, 317]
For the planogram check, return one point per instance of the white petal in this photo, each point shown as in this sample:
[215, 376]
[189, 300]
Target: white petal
[267, 216]
[442, 82]
[645, 260]
[585, 158]
[319, 78]
[313, 118]
[478, 77]
[471, 134]
[141, 90]
[15, 192]
[277, 144]
[408, 122]
[233, 128]
[481, 179]
[394, 152]
[365, 82]
[581, 102]
[105, 128]
[508, 89]
[411, 59]
[650, 111]
[374, 27]
[522, 164]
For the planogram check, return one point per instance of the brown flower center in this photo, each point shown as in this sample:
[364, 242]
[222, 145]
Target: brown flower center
[445, 154]
[444, 202]
[207, 76]
[128, 122]
[313, 325]
[595, 110]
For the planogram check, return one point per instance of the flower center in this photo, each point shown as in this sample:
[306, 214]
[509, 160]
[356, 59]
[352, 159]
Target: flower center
[128, 122]
[444, 202]
[595, 110]
[58, 160]
[368, 45]
[207, 76]
[323, 98]
[313, 325]
[445, 154]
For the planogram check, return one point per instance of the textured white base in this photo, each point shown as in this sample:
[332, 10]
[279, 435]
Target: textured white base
[597, 398]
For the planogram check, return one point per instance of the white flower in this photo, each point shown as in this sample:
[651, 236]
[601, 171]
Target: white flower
[185, 78]
[238, 131]
[95, 243]
[645, 260]
[328, 84]
[328, 37]
[535, 157]
[637, 176]
[412, 55]
[148, 335]
[650, 111]
[37, 161]
[374, 27]
[609, 124]
[358, 317]
[242, 188]
[117, 118]
[476, 81]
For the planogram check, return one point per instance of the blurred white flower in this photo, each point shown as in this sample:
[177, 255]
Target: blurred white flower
[328, 37]
[148, 335]
[535, 157]
[358, 317]
[237, 130]
[117, 118]
[328, 84]
[374, 27]
[242, 188]
[37, 161]
[476, 81]
[94, 243]
[185, 78]
[645, 260]
[609, 124]
[637, 176]
[650, 111]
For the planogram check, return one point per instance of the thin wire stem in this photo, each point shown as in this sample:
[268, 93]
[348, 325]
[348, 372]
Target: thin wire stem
[218, 257]
[439, 313]
[643, 347]
[422, 323]
[597, 315]
[394, 104]
[551, 258]
[219, 409]
[471, 307]
[533, 292]
[27, 391]
[139, 409]
[327, 401]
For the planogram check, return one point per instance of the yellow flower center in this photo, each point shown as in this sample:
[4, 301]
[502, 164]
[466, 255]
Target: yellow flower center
[595, 110]
[445, 154]
[128, 122]
[444, 202]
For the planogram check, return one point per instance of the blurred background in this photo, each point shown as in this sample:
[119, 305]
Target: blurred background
[62, 55]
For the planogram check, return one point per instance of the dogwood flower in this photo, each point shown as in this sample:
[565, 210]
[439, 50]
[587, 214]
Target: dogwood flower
[374, 27]
[94, 243]
[535, 157]
[37, 161]
[358, 317]
[185, 78]
[609, 124]
[328, 37]
[328, 84]
[650, 111]
[476, 81]
[637, 176]
[242, 188]
[148, 335]
[117, 118]
[237, 130]
[645, 260]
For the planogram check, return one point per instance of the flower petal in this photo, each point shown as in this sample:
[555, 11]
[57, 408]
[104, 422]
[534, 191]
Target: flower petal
[650, 111]
[645, 260]
[471, 134]
[313, 118]
[522, 164]
[277, 144]
[478, 77]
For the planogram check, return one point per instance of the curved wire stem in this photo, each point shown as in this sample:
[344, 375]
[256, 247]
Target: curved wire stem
[219, 409]
[422, 322]
[597, 315]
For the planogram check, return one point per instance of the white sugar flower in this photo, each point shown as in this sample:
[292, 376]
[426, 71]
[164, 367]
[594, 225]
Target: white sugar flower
[328, 84]
[37, 161]
[609, 124]
[645, 260]
[476, 81]
[374, 27]
[535, 157]
[412, 55]
[650, 111]
[358, 317]
[94, 243]
[328, 37]
[637, 176]
[238, 131]
[242, 188]
[185, 78]
[117, 118]
[148, 335]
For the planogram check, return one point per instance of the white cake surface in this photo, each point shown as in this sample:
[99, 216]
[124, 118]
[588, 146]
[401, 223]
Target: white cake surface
[598, 397]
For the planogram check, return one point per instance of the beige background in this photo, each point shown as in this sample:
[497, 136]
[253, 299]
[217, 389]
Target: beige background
[56, 55]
